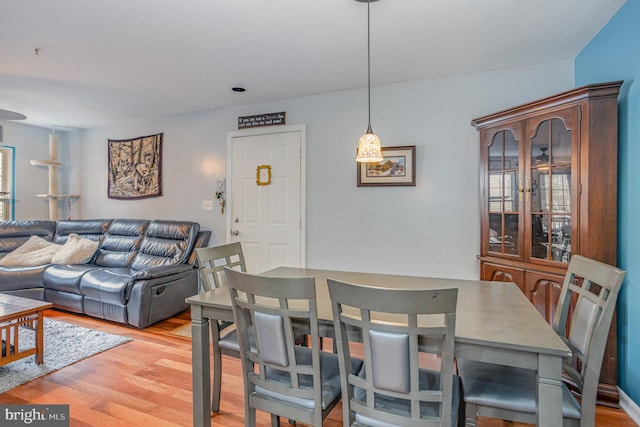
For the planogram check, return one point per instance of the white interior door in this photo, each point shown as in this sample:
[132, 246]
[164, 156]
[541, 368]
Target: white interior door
[266, 211]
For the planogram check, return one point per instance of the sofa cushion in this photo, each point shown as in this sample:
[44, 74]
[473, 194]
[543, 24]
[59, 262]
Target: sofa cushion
[35, 251]
[77, 250]
[12, 278]
[110, 285]
[65, 278]
[121, 243]
[93, 229]
[15, 233]
[166, 243]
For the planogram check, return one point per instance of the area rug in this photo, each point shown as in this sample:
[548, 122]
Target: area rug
[64, 344]
[184, 331]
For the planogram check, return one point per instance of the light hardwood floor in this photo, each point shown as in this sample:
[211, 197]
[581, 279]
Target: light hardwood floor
[147, 382]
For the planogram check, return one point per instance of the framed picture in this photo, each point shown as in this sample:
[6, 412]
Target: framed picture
[397, 168]
[263, 175]
[135, 167]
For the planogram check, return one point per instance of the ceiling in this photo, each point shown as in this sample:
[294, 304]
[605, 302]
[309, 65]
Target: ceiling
[86, 63]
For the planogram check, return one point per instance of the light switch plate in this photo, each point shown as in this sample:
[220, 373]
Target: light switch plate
[207, 205]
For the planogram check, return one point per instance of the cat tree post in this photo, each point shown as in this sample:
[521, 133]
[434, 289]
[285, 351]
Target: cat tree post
[53, 176]
[52, 164]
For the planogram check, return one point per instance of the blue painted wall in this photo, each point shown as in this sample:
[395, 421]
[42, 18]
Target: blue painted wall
[614, 54]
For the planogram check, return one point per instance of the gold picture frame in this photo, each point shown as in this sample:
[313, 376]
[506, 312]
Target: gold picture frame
[263, 175]
[398, 168]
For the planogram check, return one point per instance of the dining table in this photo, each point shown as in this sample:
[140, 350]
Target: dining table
[494, 323]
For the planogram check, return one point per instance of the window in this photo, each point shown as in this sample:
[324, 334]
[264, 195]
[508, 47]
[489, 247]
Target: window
[6, 183]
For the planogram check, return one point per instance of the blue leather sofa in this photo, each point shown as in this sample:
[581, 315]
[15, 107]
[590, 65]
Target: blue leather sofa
[140, 274]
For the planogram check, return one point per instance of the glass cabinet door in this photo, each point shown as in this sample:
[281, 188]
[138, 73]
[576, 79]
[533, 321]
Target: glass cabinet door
[503, 183]
[550, 191]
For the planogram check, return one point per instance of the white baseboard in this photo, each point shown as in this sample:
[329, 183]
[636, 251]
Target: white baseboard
[629, 406]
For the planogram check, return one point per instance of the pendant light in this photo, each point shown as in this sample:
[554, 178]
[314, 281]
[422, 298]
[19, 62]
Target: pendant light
[369, 150]
[11, 115]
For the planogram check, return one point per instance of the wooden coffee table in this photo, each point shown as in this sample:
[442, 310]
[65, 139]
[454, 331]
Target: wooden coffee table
[18, 312]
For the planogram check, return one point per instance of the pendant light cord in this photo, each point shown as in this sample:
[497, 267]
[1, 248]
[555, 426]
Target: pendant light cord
[369, 60]
[369, 149]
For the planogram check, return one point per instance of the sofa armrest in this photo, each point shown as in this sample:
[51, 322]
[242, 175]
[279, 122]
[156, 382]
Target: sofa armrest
[160, 271]
[202, 240]
[152, 300]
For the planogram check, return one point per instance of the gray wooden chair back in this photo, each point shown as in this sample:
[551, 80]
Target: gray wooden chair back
[582, 318]
[594, 287]
[212, 260]
[280, 377]
[211, 264]
[392, 389]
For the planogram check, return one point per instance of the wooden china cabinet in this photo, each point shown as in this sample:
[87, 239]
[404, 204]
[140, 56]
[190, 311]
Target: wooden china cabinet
[548, 181]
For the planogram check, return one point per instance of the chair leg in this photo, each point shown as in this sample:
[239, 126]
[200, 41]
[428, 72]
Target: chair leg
[250, 417]
[275, 420]
[471, 415]
[217, 378]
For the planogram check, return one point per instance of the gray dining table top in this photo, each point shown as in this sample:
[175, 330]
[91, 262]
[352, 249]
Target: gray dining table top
[494, 314]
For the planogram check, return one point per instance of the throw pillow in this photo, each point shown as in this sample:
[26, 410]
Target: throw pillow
[77, 250]
[35, 251]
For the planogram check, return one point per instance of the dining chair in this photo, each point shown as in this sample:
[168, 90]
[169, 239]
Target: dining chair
[211, 262]
[281, 377]
[509, 393]
[398, 328]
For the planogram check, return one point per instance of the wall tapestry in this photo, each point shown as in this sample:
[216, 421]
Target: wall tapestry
[135, 167]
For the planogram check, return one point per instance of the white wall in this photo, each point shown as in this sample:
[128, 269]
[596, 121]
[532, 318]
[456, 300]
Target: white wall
[431, 229]
[30, 143]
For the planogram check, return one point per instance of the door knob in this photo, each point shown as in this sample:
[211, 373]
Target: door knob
[235, 232]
